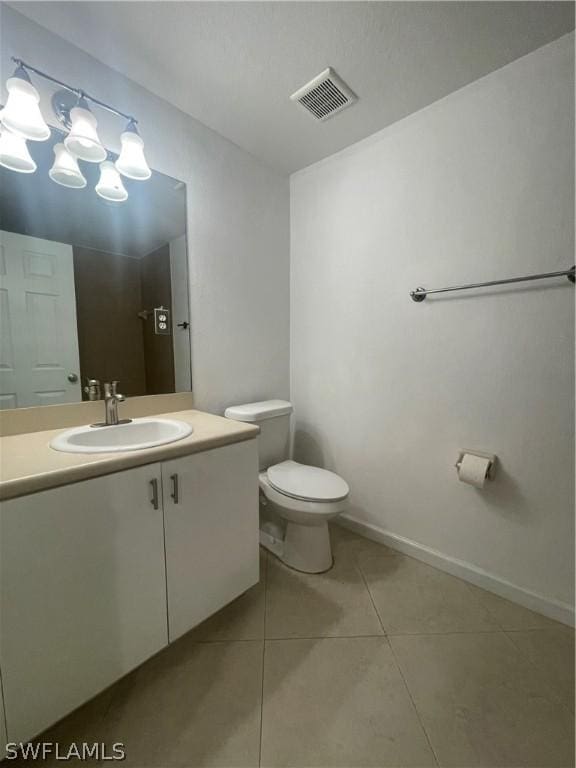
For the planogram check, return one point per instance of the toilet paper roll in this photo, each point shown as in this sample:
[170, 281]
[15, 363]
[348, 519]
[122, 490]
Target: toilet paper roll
[473, 470]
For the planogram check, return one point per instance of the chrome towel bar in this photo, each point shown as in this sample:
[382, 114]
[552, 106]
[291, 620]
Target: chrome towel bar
[420, 293]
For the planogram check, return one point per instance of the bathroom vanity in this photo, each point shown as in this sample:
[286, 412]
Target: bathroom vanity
[107, 558]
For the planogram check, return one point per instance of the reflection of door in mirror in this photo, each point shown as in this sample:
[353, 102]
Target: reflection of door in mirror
[39, 362]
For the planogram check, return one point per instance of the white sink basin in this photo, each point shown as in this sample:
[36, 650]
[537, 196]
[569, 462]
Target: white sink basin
[135, 436]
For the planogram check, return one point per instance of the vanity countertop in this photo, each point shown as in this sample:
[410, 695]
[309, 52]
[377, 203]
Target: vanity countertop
[28, 464]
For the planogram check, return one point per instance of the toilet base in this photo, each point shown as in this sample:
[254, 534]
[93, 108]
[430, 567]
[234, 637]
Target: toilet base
[305, 548]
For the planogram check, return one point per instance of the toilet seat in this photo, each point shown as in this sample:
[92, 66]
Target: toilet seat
[303, 511]
[306, 483]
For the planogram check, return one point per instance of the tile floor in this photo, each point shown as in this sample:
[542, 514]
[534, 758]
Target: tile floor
[381, 662]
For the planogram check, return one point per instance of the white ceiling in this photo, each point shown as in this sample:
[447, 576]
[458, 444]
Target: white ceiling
[233, 65]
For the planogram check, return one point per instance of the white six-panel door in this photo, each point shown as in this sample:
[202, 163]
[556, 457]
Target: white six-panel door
[39, 362]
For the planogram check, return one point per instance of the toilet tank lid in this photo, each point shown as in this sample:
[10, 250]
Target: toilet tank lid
[265, 409]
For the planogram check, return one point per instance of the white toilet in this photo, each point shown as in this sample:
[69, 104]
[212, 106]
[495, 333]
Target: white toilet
[296, 500]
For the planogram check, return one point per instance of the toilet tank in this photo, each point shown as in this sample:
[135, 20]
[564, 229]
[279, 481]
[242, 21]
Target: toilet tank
[273, 418]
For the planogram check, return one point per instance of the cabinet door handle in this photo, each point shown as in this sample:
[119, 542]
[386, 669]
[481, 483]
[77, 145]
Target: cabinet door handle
[154, 499]
[175, 488]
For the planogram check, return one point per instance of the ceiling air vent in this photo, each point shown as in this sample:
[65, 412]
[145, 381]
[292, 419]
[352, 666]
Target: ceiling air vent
[325, 95]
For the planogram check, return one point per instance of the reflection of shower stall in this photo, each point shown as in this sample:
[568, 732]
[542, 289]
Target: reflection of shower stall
[164, 295]
[156, 298]
[139, 317]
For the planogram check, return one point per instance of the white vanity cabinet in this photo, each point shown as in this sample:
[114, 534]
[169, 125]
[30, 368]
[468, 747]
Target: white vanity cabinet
[97, 576]
[83, 600]
[211, 525]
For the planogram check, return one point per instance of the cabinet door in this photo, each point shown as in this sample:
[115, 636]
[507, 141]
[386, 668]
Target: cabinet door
[211, 528]
[82, 593]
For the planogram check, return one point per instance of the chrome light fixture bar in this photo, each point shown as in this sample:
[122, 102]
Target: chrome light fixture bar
[22, 121]
[79, 92]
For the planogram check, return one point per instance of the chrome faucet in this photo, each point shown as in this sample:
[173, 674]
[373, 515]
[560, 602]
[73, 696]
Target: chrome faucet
[111, 399]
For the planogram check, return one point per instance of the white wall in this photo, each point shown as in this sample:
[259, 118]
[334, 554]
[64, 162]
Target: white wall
[476, 187]
[238, 222]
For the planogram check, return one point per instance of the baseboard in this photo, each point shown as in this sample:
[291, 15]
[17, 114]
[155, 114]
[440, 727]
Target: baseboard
[553, 609]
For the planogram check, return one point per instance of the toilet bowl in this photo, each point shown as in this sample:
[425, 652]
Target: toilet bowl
[296, 500]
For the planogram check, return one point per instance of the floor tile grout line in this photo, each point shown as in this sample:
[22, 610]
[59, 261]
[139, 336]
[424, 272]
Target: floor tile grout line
[438, 633]
[263, 658]
[261, 703]
[408, 691]
[385, 634]
[553, 693]
[424, 633]
[561, 627]
[416, 710]
[226, 641]
[319, 637]
[367, 588]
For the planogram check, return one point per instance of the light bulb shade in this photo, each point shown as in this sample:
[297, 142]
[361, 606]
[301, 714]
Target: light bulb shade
[83, 139]
[65, 170]
[132, 162]
[14, 153]
[22, 115]
[110, 185]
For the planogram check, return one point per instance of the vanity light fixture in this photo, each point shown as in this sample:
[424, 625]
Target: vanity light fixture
[83, 139]
[110, 185]
[21, 120]
[22, 113]
[65, 170]
[132, 162]
[14, 153]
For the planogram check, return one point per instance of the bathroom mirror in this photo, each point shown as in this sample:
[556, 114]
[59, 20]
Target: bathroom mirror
[91, 289]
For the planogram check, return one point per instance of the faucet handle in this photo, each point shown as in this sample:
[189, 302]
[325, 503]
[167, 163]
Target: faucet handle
[114, 392]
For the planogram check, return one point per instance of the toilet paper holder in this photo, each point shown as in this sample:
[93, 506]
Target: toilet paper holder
[492, 458]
